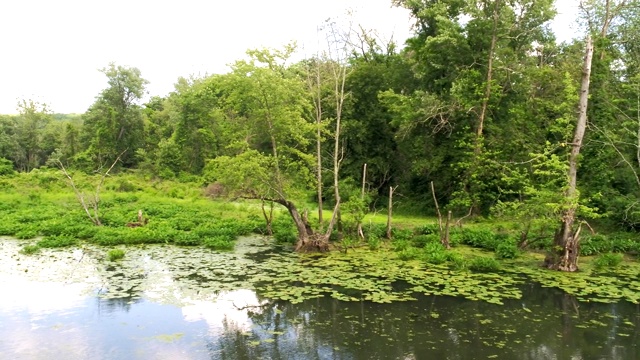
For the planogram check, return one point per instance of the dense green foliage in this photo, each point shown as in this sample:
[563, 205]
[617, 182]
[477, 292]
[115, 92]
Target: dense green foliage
[484, 108]
[115, 254]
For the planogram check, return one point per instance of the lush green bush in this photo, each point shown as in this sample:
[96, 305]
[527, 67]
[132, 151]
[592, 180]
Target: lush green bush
[608, 260]
[400, 245]
[401, 234]
[623, 242]
[377, 230]
[374, 242]
[9, 225]
[125, 185]
[145, 235]
[284, 231]
[27, 233]
[219, 242]
[184, 238]
[56, 241]
[595, 244]
[115, 254]
[109, 236]
[457, 261]
[409, 253]
[6, 167]
[428, 229]
[435, 253]
[484, 264]
[480, 238]
[30, 249]
[507, 250]
[424, 240]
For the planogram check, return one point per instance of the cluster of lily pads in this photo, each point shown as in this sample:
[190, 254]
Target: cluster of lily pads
[171, 272]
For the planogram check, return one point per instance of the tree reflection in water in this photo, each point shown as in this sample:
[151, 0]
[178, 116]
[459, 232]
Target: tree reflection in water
[544, 324]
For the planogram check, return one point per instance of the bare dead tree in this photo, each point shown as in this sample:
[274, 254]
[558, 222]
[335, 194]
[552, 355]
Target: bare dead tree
[390, 210]
[89, 202]
[567, 240]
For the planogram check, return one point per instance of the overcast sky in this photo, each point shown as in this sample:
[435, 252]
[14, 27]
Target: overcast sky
[50, 51]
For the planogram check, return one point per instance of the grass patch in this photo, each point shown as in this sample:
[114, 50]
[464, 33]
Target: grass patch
[30, 249]
[484, 264]
[115, 254]
[608, 260]
[57, 241]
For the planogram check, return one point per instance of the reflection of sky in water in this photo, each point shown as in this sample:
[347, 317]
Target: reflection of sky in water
[65, 324]
[48, 310]
[230, 308]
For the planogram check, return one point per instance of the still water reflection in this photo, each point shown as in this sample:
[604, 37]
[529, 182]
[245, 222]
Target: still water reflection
[44, 315]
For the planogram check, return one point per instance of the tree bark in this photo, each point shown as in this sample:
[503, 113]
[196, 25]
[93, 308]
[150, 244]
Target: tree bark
[565, 254]
[390, 213]
[318, 107]
[307, 241]
[364, 179]
[268, 219]
[435, 201]
[444, 237]
[487, 91]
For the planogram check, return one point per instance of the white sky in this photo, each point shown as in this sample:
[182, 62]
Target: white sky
[51, 50]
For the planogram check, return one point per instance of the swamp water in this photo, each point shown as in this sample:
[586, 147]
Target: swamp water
[165, 302]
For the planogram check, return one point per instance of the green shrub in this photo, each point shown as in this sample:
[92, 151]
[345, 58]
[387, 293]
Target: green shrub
[484, 264]
[435, 253]
[373, 242]
[507, 250]
[146, 235]
[423, 240]
[30, 249]
[284, 231]
[622, 242]
[428, 229]
[457, 261]
[56, 241]
[124, 199]
[28, 233]
[84, 231]
[409, 253]
[184, 238]
[607, 260]
[6, 167]
[220, 242]
[126, 186]
[400, 245]
[9, 226]
[109, 236]
[436, 258]
[595, 244]
[480, 238]
[34, 197]
[378, 230]
[401, 234]
[6, 186]
[115, 254]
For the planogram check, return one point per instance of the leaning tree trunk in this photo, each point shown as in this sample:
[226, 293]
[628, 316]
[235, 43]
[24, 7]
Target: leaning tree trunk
[564, 256]
[307, 240]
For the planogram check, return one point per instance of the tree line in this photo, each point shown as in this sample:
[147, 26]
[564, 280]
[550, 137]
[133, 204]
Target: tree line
[478, 111]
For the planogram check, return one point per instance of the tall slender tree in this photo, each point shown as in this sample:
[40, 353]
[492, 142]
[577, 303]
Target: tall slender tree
[114, 122]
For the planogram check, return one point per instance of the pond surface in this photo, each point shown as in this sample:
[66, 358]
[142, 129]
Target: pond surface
[182, 303]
